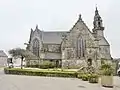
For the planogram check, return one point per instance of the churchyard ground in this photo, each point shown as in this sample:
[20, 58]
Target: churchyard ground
[17, 82]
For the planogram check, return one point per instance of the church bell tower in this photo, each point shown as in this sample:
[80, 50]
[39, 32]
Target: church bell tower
[98, 25]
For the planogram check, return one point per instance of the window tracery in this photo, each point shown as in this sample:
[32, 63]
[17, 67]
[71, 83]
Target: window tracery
[81, 47]
[36, 47]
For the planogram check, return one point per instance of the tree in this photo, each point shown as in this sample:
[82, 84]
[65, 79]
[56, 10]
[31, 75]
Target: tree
[21, 53]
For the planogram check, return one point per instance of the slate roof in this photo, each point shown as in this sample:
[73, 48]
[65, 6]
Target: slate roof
[52, 56]
[103, 41]
[53, 36]
[2, 54]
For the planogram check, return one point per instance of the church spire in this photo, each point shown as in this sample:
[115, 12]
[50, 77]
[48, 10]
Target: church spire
[97, 23]
[96, 11]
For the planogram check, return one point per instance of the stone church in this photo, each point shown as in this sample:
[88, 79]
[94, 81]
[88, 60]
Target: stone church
[76, 47]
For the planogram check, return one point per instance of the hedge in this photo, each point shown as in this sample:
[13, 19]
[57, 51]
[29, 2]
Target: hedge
[93, 78]
[44, 65]
[40, 72]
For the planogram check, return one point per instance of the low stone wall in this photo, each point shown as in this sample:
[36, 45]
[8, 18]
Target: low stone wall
[80, 63]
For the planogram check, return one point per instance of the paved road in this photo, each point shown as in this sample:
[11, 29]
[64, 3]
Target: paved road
[14, 82]
[1, 71]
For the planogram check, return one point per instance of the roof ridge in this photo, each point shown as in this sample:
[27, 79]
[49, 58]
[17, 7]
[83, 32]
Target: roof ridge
[2, 53]
[55, 31]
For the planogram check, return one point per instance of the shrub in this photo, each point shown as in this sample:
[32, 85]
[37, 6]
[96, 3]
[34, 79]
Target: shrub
[80, 74]
[33, 66]
[93, 78]
[47, 64]
[105, 66]
[40, 72]
[107, 72]
[85, 77]
[106, 69]
[44, 65]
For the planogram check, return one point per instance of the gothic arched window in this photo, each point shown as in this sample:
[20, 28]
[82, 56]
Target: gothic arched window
[36, 47]
[81, 47]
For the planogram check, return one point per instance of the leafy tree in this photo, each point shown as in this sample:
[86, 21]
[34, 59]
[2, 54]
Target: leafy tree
[21, 53]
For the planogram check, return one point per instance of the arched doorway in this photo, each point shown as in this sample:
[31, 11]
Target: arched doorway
[89, 61]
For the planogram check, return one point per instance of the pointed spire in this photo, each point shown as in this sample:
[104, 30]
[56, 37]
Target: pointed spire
[31, 33]
[97, 15]
[96, 6]
[96, 11]
[97, 23]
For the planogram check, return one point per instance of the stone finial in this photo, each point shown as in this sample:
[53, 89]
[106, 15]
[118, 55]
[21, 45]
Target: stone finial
[80, 18]
[36, 26]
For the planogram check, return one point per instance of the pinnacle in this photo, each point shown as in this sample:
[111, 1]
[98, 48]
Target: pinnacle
[80, 18]
[36, 26]
[31, 29]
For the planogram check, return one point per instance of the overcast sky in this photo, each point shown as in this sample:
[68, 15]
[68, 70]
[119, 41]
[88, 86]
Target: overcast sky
[17, 17]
